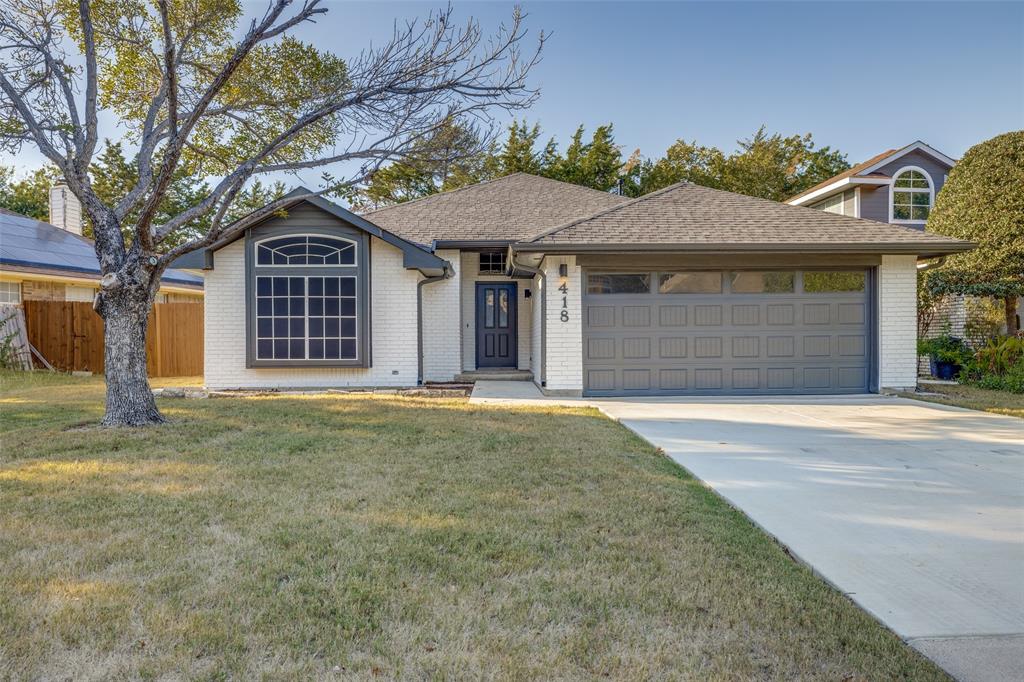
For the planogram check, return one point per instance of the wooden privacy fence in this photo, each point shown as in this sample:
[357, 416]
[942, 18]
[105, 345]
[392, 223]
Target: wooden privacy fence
[69, 334]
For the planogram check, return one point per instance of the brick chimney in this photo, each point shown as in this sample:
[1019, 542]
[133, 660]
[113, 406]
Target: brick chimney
[65, 211]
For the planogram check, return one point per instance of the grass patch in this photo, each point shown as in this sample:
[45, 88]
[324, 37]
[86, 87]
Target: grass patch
[974, 398]
[305, 536]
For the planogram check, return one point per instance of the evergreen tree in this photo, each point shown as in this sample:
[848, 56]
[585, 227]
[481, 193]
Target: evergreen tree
[30, 195]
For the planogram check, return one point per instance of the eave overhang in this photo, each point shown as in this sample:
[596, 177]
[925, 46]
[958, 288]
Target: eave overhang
[414, 256]
[919, 249]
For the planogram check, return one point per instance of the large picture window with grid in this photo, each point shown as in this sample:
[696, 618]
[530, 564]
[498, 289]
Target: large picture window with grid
[306, 301]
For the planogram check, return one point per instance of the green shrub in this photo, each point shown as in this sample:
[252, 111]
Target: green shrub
[998, 366]
[945, 348]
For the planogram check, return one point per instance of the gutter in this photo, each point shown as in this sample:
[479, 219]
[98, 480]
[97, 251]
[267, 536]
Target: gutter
[419, 320]
[923, 249]
[516, 265]
[923, 267]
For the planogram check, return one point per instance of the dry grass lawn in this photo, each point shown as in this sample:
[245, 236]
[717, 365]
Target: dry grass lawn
[360, 536]
[999, 402]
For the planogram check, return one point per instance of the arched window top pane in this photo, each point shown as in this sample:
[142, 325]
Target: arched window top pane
[912, 179]
[315, 250]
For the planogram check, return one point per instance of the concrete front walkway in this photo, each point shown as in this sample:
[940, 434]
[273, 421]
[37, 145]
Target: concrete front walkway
[914, 510]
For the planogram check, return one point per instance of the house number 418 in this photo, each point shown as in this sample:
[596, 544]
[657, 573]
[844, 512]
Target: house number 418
[564, 315]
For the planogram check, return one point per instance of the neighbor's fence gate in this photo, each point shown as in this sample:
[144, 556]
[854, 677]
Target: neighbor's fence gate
[69, 334]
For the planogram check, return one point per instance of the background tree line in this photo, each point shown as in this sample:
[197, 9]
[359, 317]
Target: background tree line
[771, 166]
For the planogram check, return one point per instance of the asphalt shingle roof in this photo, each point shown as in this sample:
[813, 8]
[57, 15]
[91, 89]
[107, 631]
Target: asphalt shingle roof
[508, 208]
[691, 215]
[27, 242]
[848, 173]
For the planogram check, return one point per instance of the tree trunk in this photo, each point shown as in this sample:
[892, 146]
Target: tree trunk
[129, 398]
[1010, 305]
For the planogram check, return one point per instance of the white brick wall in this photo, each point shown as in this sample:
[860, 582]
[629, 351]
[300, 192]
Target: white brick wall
[393, 319]
[564, 345]
[470, 263]
[897, 322]
[442, 348]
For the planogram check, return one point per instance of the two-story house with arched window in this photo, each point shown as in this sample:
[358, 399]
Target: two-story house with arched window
[898, 186]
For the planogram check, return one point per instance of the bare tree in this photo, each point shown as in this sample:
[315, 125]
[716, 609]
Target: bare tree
[193, 96]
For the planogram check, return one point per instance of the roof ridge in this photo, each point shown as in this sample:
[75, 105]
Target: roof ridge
[821, 215]
[420, 200]
[484, 183]
[610, 209]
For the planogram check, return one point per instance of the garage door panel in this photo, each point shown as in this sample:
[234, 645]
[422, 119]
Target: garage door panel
[672, 379]
[817, 377]
[817, 313]
[672, 347]
[707, 347]
[746, 346]
[636, 379]
[600, 349]
[851, 313]
[746, 378]
[781, 314]
[746, 315]
[672, 343]
[817, 346]
[851, 377]
[599, 316]
[780, 346]
[636, 348]
[852, 346]
[636, 316]
[601, 379]
[707, 315]
[707, 379]
[672, 315]
[780, 378]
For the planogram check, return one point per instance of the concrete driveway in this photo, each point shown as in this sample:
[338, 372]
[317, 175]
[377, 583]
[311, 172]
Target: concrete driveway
[915, 511]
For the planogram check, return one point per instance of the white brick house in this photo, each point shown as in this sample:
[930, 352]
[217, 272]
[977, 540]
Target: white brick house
[684, 291]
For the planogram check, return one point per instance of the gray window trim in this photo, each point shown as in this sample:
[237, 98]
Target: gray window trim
[361, 271]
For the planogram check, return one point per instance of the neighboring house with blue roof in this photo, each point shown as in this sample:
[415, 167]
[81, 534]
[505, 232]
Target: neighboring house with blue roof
[53, 261]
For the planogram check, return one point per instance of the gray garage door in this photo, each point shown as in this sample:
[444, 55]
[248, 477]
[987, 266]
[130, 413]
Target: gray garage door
[726, 332]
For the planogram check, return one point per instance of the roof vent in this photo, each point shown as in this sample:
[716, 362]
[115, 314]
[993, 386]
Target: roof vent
[65, 210]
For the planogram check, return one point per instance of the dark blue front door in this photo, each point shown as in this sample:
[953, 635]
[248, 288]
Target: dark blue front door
[495, 324]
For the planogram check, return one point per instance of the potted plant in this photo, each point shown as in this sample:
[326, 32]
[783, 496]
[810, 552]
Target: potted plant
[947, 354]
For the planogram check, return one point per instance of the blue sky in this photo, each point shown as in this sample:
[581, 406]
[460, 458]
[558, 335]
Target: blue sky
[862, 77]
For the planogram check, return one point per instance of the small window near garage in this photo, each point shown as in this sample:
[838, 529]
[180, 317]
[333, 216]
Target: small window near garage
[10, 292]
[492, 262]
[833, 282]
[780, 282]
[690, 282]
[619, 284]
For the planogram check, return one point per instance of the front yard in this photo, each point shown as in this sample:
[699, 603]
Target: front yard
[998, 402]
[320, 536]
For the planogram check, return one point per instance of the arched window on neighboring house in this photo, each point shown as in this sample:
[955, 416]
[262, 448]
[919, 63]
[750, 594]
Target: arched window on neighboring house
[912, 196]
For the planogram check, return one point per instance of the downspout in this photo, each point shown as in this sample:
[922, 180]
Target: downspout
[419, 320]
[543, 312]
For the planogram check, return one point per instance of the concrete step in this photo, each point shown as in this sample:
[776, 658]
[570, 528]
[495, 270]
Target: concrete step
[494, 375]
